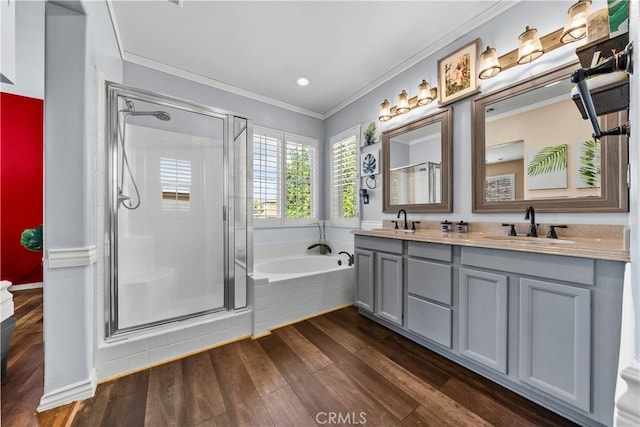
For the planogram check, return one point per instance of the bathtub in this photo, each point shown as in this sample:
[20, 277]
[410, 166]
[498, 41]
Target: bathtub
[292, 288]
[301, 265]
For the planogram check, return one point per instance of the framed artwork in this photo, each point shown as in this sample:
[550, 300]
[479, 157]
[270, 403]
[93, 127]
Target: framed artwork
[547, 168]
[500, 187]
[588, 164]
[370, 163]
[458, 74]
[370, 133]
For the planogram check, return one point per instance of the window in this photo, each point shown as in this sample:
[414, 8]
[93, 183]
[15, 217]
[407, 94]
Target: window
[344, 200]
[175, 178]
[285, 181]
[267, 159]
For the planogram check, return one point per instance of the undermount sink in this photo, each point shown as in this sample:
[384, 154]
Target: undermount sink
[394, 230]
[524, 239]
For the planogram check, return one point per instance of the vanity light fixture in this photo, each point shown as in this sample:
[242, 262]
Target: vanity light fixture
[426, 95]
[489, 64]
[575, 27]
[385, 111]
[529, 46]
[403, 103]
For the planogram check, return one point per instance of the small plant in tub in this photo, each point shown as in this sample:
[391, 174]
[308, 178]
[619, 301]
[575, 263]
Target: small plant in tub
[322, 244]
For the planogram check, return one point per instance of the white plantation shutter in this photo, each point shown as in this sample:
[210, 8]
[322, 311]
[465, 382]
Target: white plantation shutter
[285, 178]
[301, 178]
[267, 167]
[344, 176]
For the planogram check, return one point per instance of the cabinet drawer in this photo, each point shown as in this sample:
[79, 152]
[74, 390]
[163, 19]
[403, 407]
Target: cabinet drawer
[435, 251]
[382, 244]
[430, 280]
[430, 320]
[570, 269]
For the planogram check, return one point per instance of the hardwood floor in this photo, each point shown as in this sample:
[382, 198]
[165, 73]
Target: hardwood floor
[339, 368]
[24, 383]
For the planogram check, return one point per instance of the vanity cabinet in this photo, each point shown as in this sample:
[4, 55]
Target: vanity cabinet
[379, 277]
[483, 320]
[545, 326]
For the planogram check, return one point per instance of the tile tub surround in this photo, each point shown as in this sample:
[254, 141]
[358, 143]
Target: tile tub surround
[284, 299]
[595, 241]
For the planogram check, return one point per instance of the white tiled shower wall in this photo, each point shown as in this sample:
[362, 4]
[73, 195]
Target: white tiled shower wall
[183, 251]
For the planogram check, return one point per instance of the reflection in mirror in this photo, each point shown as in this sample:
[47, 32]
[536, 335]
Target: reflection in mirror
[564, 163]
[416, 157]
[532, 145]
[415, 166]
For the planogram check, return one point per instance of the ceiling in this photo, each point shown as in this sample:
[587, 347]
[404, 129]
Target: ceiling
[258, 48]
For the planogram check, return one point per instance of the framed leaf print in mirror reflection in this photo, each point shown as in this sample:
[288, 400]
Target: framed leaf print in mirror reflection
[547, 168]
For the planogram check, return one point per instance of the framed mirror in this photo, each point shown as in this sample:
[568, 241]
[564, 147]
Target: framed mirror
[531, 146]
[417, 164]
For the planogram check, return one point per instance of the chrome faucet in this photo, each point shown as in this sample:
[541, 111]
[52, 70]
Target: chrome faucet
[405, 218]
[530, 214]
[347, 254]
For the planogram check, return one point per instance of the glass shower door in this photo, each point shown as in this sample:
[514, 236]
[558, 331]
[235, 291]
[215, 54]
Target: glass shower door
[171, 246]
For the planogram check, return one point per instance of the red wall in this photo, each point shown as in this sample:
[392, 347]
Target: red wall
[21, 185]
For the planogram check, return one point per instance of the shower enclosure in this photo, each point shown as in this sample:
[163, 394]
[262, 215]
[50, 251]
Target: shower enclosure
[178, 233]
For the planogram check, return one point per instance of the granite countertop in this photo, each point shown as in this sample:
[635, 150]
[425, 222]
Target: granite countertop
[606, 243]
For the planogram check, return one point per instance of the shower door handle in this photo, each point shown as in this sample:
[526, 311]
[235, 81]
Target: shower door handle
[224, 213]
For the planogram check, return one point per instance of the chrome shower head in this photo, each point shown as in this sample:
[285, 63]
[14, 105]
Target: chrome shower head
[161, 115]
[131, 111]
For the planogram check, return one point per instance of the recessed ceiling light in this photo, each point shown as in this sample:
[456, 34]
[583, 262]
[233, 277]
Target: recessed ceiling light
[303, 80]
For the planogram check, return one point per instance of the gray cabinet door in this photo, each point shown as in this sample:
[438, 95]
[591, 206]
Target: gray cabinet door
[364, 292]
[483, 318]
[555, 340]
[389, 286]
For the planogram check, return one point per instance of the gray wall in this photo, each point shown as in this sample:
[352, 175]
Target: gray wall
[263, 114]
[502, 33]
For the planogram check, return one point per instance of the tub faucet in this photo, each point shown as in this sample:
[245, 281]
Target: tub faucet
[347, 254]
[530, 214]
[405, 218]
